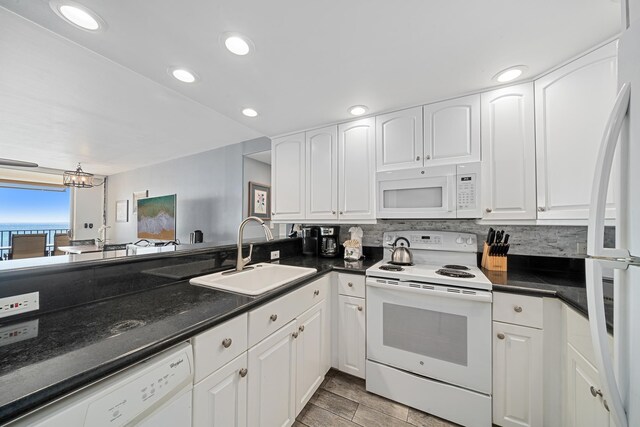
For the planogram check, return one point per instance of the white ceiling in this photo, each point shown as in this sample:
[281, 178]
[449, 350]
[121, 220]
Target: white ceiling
[312, 61]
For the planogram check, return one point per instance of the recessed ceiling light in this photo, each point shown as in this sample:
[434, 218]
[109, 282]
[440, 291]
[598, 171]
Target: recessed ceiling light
[249, 112]
[237, 43]
[358, 110]
[510, 73]
[183, 75]
[77, 15]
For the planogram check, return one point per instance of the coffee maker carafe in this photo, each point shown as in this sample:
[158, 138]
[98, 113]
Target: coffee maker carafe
[329, 241]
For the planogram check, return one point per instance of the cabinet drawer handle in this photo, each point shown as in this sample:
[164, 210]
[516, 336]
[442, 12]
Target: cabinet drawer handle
[316, 292]
[501, 336]
[350, 284]
[359, 308]
[517, 309]
[488, 210]
[243, 372]
[301, 328]
[226, 343]
[541, 209]
[594, 392]
[604, 402]
[294, 335]
[273, 317]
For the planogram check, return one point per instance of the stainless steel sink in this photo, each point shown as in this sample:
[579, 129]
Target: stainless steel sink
[253, 280]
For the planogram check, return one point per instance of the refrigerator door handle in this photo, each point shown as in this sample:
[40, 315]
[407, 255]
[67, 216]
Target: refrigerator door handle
[597, 324]
[597, 211]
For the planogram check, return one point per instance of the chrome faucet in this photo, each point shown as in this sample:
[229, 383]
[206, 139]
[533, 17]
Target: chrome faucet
[241, 262]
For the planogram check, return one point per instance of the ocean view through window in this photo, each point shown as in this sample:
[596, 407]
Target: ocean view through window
[33, 209]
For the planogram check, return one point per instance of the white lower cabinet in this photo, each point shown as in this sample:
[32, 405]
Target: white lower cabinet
[351, 335]
[272, 379]
[517, 375]
[221, 398]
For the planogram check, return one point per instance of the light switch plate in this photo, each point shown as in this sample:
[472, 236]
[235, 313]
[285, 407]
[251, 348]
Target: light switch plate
[581, 248]
[17, 304]
[275, 255]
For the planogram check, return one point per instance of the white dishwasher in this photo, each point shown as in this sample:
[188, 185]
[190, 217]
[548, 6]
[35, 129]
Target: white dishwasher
[154, 393]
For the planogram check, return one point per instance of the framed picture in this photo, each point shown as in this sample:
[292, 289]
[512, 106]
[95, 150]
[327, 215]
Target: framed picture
[259, 200]
[137, 196]
[122, 211]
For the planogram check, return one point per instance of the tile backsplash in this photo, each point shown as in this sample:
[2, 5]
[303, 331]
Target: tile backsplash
[541, 240]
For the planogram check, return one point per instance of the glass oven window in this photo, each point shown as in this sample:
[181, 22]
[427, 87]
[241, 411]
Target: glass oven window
[425, 197]
[433, 334]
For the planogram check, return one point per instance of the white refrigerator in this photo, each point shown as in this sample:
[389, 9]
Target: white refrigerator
[619, 371]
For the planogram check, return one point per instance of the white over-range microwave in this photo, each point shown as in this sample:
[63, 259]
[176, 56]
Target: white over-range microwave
[450, 191]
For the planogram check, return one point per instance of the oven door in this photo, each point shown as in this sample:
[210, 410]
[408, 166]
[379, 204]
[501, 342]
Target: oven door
[417, 193]
[442, 333]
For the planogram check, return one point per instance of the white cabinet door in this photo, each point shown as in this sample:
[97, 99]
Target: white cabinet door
[288, 177]
[220, 400]
[517, 375]
[356, 170]
[583, 409]
[322, 174]
[508, 153]
[272, 379]
[351, 335]
[399, 140]
[572, 107]
[452, 131]
[312, 349]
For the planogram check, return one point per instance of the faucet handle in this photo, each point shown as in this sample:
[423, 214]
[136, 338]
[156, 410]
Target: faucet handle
[248, 259]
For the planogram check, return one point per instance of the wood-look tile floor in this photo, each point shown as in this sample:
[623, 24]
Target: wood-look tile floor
[342, 401]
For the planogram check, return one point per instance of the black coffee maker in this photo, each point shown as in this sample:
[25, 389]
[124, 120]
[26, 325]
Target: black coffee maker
[310, 240]
[329, 242]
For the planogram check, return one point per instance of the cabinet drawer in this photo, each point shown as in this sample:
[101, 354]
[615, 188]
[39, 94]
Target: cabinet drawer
[351, 285]
[219, 345]
[265, 320]
[517, 309]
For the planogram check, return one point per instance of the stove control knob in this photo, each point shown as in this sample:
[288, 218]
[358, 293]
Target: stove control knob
[459, 240]
[469, 241]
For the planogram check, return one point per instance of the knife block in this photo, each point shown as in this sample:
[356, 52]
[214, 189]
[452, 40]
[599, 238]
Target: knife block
[494, 263]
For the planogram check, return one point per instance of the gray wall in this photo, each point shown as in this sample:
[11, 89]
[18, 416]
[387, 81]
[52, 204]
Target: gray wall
[209, 188]
[557, 241]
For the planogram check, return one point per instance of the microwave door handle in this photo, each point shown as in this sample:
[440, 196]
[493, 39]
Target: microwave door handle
[451, 193]
[597, 324]
[604, 163]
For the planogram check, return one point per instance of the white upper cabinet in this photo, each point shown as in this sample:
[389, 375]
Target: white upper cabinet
[288, 177]
[399, 140]
[508, 153]
[573, 104]
[452, 131]
[322, 174]
[356, 170]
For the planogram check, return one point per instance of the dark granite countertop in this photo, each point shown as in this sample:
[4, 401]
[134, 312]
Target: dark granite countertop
[82, 344]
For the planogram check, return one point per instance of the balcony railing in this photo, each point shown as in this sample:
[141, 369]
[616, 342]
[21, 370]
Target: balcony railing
[5, 239]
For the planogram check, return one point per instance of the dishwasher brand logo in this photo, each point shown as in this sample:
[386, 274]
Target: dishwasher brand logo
[175, 364]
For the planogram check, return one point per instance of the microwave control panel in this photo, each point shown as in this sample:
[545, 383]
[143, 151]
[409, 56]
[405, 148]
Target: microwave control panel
[467, 190]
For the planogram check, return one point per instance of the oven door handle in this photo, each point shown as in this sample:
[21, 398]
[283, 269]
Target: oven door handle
[442, 291]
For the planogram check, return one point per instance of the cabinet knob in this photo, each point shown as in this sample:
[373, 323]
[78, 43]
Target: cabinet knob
[273, 213]
[350, 284]
[301, 328]
[273, 317]
[500, 336]
[594, 392]
[417, 157]
[422, 172]
[359, 308]
[604, 402]
[428, 157]
[340, 212]
[294, 335]
[517, 309]
[541, 208]
[226, 343]
[243, 372]
[316, 292]
[333, 212]
[488, 210]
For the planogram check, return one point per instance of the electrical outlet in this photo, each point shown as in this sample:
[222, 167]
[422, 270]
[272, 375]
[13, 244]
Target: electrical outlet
[20, 332]
[275, 255]
[581, 248]
[19, 304]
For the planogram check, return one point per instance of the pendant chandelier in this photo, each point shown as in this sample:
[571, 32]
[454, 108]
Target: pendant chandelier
[77, 178]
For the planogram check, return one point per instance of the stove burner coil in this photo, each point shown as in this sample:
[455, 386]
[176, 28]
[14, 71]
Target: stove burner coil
[455, 273]
[389, 267]
[455, 267]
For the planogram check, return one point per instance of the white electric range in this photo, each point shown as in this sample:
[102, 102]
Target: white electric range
[429, 327]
